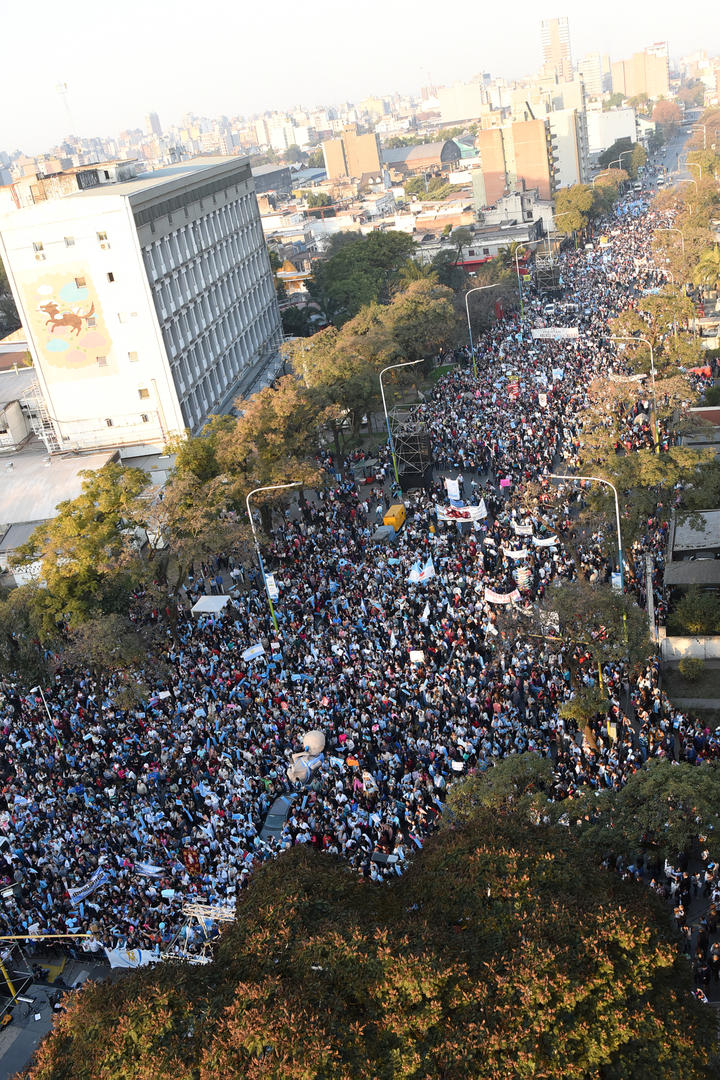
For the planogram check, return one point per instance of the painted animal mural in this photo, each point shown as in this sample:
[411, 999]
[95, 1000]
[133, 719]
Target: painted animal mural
[57, 318]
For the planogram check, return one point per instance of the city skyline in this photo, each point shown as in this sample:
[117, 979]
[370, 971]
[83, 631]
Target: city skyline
[161, 60]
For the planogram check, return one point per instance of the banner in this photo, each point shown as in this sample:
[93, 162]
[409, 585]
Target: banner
[520, 553]
[99, 878]
[558, 373]
[253, 652]
[542, 401]
[556, 333]
[130, 958]
[522, 530]
[453, 489]
[549, 541]
[461, 513]
[272, 589]
[191, 860]
[492, 597]
[147, 869]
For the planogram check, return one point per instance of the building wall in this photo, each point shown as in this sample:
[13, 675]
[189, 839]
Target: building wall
[570, 143]
[604, 128]
[212, 287]
[492, 155]
[462, 101]
[334, 155]
[528, 155]
[362, 153]
[161, 305]
[644, 73]
[101, 349]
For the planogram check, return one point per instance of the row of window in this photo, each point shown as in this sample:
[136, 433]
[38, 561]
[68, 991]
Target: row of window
[200, 236]
[102, 361]
[102, 237]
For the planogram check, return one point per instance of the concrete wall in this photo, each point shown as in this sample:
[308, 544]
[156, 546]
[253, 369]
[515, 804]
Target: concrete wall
[703, 648]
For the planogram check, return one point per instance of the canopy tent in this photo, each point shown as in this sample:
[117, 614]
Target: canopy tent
[209, 605]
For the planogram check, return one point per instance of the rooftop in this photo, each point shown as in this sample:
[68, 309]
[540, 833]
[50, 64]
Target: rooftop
[169, 175]
[687, 538]
[15, 384]
[32, 484]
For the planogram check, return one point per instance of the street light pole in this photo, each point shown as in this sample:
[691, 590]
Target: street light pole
[652, 376]
[478, 288]
[391, 367]
[38, 689]
[600, 480]
[520, 290]
[255, 491]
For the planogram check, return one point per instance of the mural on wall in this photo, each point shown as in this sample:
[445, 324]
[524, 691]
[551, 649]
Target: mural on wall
[67, 322]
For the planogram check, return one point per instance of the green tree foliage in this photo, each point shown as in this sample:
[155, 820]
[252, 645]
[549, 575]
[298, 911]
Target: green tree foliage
[664, 807]
[296, 321]
[434, 187]
[708, 160]
[88, 560]
[577, 205]
[612, 154]
[657, 319]
[609, 625]
[691, 94]
[503, 954]
[24, 644]
[294, 154]
[696, 613]
[359, 271]
[316, 159]
[9, 319]
[613, 102]
[707, 270]
[315, 199]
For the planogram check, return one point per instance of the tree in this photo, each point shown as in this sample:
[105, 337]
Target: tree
[88, 559]
[461, 237]
[576, 204]
[691, 94]
[22, 653]
[707, 270]
[611, 626]
[414, 271]
[296, 321]
[667, 115]
[315, 199]
[294, 154]
[696, 613]
[358, 271]
[316, 159]
[708, 160]
[504, 952]
[613, 102]
[612, 154]
[663, 807]
[420, 320]
[9, 318]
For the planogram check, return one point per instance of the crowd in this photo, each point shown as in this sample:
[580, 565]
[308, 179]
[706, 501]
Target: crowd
[110, 819]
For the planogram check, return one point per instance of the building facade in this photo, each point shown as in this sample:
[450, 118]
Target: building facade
[352, 154]
[148, 304]
[555, 38]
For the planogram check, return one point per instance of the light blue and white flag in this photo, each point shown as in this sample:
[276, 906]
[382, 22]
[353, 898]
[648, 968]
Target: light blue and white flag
[99, 878]
[147, 869]
[253, 652]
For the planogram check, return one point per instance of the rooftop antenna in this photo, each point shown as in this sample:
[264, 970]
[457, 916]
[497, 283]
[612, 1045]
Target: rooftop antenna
[62, 92]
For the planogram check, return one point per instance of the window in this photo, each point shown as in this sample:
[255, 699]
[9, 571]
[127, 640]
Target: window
[102, 236]
[486, 251]
[37, 247]
[109, 422]
[143, 393]
[144, 417]
[69, 241]
[111, 276]
[132, 357]
[80, 282]
[101, 361]
[90, 320]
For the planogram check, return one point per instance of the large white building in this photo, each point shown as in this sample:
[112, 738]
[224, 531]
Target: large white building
[149, 303]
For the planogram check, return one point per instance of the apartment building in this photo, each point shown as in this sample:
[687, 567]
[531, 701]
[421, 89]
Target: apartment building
[148, 303]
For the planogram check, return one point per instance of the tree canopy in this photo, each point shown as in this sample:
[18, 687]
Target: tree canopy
[359, 270]
[503, 954]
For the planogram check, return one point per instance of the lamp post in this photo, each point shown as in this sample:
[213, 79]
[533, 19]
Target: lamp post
[391, 367]
[652, 376]
[668, 228]
[520, 290]
[478, 288]
[38, 689]
[599, 480]
[255, 491]
[596, 178]
[686, 180]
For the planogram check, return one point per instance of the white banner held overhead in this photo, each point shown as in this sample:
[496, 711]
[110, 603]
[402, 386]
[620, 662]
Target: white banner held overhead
[453, 489]
[130, 958]
[548, 541]
[522, 530]
[556, 333]
[461, 513]
[492, 597]
[521, 553]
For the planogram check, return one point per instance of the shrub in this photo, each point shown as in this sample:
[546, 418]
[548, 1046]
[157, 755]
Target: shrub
[691, 668]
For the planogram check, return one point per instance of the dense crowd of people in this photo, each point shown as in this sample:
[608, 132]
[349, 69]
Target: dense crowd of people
[111, 818]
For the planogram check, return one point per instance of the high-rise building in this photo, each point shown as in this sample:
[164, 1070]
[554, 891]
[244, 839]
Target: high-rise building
[568, 128]
[518, 153]
[555, 37]
[148, 303]
[644, 73]
[595, 72]
[153, 125]
[352, 154]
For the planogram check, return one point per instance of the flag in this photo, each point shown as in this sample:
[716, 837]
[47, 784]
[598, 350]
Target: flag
[130, 958]
[393, 640]
[426, 613]
[147, 869]
[428, 570]
[191, 860]
[253, 652]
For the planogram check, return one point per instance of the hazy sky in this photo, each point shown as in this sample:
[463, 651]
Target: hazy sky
[216, 56]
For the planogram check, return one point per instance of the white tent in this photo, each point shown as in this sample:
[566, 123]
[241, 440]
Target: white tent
[209, 605]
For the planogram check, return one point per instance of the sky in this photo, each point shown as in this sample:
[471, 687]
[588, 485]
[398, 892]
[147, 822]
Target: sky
[235, 57]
